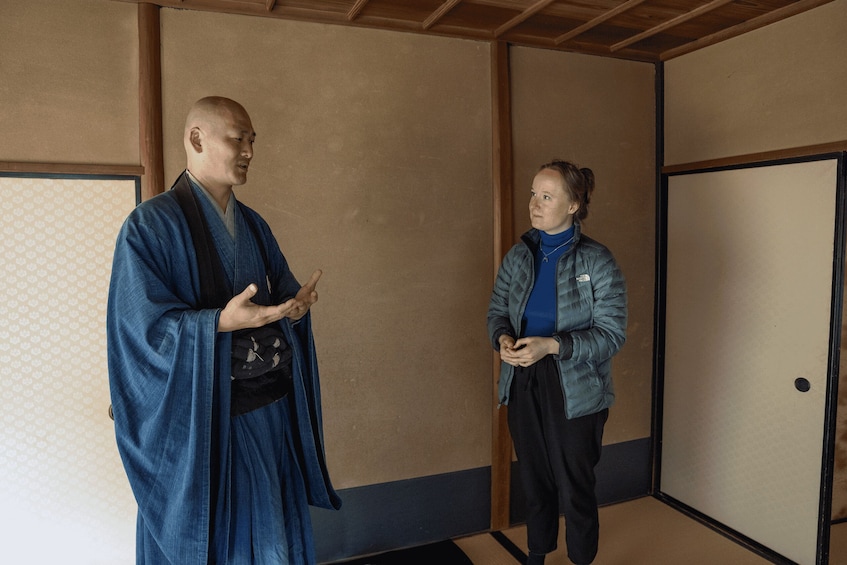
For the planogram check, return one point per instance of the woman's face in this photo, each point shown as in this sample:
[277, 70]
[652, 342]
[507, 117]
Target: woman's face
[551, 209]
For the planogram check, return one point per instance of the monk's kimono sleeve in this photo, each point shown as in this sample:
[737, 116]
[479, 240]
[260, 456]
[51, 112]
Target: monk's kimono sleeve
[164, 361]
[169, 376]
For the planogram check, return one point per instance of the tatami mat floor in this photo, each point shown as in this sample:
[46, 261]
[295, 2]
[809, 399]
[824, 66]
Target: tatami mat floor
[645, 531]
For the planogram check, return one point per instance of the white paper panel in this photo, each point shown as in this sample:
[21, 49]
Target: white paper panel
[64, 497]
[749, 283]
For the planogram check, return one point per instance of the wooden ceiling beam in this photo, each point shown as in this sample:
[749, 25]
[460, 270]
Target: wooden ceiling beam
[485, 23]
[439, 13]
[697, 12]
[523, 16]
[742, 28]
[630, 4]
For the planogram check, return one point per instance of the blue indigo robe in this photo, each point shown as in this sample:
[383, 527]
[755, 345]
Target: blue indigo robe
[169, 376]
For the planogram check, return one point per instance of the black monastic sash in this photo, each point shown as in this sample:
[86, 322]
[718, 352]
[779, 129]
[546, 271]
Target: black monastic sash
[247, 394]
[215, 293]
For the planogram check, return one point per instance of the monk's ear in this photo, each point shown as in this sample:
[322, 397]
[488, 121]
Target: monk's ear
[195, 137]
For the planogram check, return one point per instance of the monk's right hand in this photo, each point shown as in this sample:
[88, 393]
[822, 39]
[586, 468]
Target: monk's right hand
[241, 312]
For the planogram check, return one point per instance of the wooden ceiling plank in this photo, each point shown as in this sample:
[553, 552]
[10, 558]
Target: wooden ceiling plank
[630, 4]
[354, 11]
[523, 16]
[626, 6]
[439, 13]
[479, 20]
[750, 25]
[697, 12]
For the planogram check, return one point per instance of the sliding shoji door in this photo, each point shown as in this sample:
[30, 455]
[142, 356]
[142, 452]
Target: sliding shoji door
[752, 321]
[64, 497]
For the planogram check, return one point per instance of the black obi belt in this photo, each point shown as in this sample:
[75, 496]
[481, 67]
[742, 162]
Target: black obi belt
[261, 368]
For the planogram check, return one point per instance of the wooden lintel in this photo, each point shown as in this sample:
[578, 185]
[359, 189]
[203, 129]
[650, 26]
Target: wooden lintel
[71, 169]
[775, 155]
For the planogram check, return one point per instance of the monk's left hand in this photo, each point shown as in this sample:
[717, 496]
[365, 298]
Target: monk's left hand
[306, 296]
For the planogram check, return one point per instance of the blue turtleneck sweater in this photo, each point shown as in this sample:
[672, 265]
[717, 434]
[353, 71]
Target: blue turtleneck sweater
[539, 318]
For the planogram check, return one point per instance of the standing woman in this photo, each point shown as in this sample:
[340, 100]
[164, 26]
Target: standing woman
[557, 316]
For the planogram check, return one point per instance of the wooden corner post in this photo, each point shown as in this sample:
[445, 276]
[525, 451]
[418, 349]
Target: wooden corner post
[501, 443]
[150, 101]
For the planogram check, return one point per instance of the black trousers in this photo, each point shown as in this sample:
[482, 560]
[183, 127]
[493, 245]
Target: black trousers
[556, 460]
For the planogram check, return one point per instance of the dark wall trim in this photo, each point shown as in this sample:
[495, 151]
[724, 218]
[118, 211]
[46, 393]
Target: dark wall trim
[750, 158]
[399, 514]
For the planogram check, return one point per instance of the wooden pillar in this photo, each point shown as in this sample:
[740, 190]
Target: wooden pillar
[150, 101]
[501, 443]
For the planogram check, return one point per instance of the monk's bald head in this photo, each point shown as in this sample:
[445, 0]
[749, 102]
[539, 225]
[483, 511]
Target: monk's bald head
[211, 111]
[218, 141]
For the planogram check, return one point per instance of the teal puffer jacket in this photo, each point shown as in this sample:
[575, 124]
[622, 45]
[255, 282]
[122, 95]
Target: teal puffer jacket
[590, 317]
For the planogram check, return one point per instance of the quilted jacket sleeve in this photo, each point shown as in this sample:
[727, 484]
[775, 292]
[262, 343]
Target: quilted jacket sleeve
[607, 333]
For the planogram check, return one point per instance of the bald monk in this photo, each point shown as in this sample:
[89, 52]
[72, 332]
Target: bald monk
[212, 366]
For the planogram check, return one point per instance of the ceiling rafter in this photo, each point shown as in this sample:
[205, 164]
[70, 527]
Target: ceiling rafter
[354, 11]
[750, 25]
[439, 13]
[522, 17]
[605, 16]
[656, 31]
[696, 13]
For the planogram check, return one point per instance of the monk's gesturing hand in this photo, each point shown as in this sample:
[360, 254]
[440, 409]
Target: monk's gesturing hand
[306, 296]
[241, 312]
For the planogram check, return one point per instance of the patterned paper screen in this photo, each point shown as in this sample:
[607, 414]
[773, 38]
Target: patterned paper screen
[64, 497]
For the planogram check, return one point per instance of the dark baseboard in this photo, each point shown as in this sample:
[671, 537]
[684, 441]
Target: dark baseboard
[389, 516]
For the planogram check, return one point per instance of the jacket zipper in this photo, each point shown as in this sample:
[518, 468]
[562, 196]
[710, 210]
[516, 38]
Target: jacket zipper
[520, 317]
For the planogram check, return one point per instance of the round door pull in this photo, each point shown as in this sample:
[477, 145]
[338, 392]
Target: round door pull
[803, 385]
